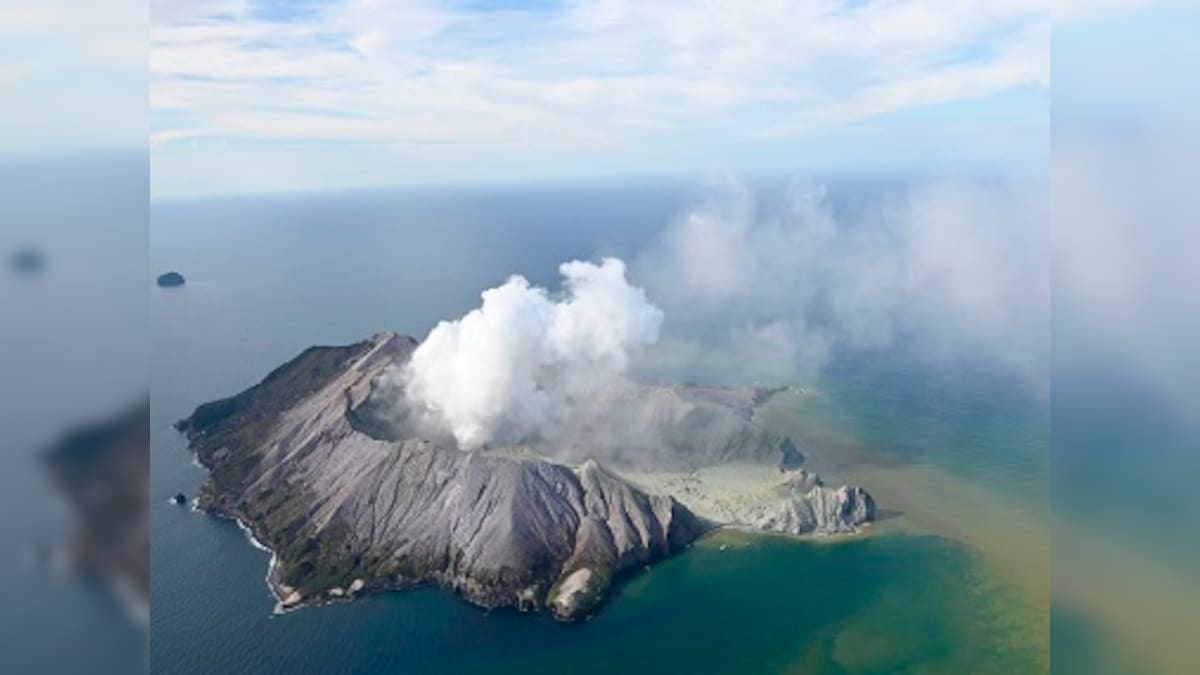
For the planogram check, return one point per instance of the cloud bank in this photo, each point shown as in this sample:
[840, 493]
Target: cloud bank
[247, 95]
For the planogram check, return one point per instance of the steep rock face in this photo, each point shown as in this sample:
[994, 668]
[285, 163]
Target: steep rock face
[821, 511]
[808, 506]
[346, 512]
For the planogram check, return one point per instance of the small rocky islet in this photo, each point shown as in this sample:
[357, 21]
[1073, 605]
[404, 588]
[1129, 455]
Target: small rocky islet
[348, 509]
[170, 280]
[27, 261]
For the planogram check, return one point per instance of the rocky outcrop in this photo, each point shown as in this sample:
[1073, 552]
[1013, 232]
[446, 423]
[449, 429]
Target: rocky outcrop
[170, 280]
[758, 496]
[821, 511]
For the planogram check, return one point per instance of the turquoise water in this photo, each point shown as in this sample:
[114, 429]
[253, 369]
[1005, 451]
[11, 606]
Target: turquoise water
[267, 278]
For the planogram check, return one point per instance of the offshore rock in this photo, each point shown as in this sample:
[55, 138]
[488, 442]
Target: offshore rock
[170, 280]
[821, 511]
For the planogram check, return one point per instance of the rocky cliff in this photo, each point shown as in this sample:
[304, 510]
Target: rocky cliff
[807, 506]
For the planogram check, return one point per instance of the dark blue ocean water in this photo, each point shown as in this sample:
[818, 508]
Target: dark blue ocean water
[73, 343]
[268, 277]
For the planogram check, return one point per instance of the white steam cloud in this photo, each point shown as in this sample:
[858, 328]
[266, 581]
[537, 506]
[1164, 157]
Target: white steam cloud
[520, 362]
[770, 290]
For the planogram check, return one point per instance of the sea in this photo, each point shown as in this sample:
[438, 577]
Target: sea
[954, 578]
[74, 338]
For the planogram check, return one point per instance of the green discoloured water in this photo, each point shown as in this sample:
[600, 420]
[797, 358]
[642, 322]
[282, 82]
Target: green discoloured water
[882, 604]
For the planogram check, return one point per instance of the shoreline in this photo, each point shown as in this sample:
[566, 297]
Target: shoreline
[282, 603]
[748, 483]
[271, 564]
[865, 530]
[280, 608]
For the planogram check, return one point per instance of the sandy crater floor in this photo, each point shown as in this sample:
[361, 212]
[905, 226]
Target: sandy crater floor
[729, 493]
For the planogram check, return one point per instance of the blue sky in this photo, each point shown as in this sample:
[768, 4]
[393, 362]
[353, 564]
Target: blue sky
[267, 95]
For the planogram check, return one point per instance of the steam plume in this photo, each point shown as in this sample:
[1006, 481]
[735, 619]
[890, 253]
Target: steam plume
[772, 289]
[517, 365]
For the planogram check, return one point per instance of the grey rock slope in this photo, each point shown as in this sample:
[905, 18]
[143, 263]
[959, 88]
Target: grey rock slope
[346, 513]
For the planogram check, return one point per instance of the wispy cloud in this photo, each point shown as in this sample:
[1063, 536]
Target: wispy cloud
[72, 77]
[554, 80]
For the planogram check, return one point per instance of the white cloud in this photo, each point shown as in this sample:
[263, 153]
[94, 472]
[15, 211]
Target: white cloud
[72, 76]
[562, 81]
[523, 360]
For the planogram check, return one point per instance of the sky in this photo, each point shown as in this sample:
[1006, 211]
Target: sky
[268, 95]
